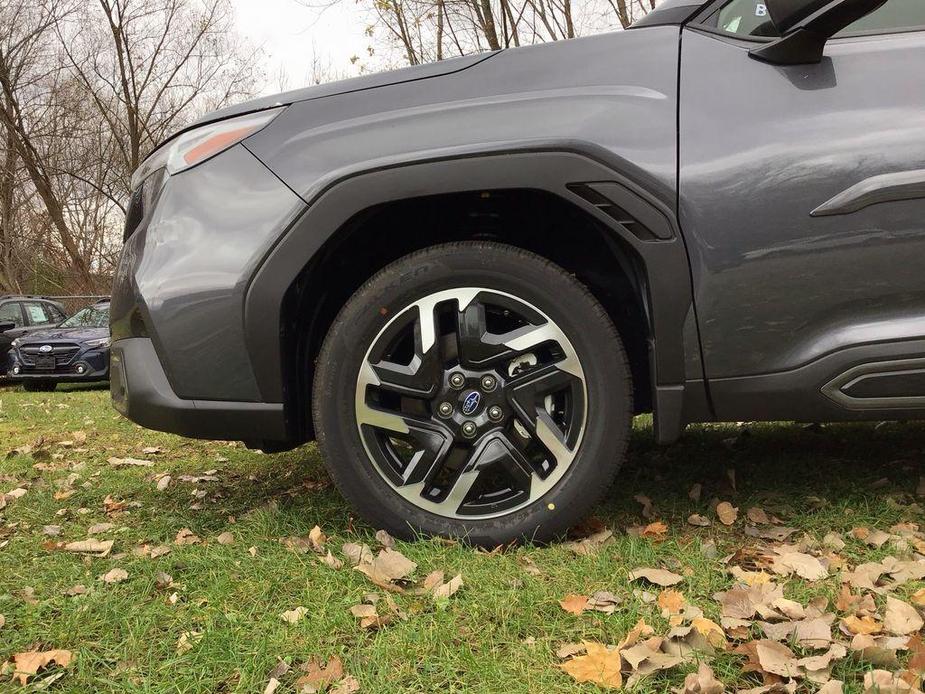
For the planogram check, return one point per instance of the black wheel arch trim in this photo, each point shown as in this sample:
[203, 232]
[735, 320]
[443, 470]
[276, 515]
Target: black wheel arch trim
[551, 167]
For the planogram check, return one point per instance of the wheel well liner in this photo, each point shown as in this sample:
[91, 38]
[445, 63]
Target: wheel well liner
[290, 302]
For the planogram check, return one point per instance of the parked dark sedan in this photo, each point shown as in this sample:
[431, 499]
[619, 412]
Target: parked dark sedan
[76, 350]
[20, 315]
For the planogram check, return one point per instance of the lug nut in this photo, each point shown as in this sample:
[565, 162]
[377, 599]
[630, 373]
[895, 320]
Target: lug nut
[489, 383]
[495, 413]
[457, 380]
[445, 409]
[469, 429]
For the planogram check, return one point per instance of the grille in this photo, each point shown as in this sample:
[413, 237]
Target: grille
[63, 353]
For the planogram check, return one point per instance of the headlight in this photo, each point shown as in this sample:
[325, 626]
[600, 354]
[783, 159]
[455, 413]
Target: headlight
[202, 143]
[102, 342]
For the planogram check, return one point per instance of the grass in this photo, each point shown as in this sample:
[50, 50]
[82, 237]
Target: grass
[499, 633]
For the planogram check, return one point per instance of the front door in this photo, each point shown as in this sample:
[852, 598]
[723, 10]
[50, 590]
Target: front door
[802, 197]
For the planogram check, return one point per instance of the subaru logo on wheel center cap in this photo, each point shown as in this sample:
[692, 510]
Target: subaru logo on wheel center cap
[471, 403]
[45, 349]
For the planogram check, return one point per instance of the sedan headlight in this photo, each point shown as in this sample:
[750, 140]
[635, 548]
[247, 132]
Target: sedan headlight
[202, 143]
[102, 342]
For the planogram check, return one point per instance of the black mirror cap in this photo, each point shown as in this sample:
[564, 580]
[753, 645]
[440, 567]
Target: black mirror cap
[6, 326]
[806, 26]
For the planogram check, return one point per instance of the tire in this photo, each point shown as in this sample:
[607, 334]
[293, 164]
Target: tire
[562, 387]
[39, 386]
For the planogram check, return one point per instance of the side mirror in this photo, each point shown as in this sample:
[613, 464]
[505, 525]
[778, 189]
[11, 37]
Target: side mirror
[806, 25]
[6, 326]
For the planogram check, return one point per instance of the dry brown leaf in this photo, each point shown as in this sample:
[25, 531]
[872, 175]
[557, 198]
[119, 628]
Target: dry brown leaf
[384, 539]
[777, 659]
[591, 544]
[99, 548]
[660, 577]
[163, 482]
[293, 616]
[360, 611]
[701, 682]
[29, 663]
[757, 515]
[599, 665]
[357, 554]
[319, 677]
[185, 536]
[124, 462]
[388, 567]
[330, 560]
[348, 685]
[883, 682]
[449, 588]
[918, 597]
[657, 531]
[727, 513]
[225, 538]
[901, 618]
[671, 601]
[698, 520]
[803, 565]
[574, 604]
[831, 687]
[316, 539]
[114, 576]
[861, 625]
[646, 503]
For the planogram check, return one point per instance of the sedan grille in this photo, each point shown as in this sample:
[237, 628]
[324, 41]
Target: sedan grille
[63, 353]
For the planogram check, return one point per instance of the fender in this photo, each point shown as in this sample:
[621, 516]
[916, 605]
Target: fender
[571, 170]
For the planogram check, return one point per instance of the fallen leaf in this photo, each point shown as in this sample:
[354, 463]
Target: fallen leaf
[599, 665]
[655, 531]
[698, 520]
[574, 604]
[185, 536]
[660, 577]
[293, 616]
[330, 560]
[777, 659]
[671, 601]
[348, 685]
[861, 625]
[901, 618]
[384, 539]
[883, 682]
[757, 515]
[831, 687]
[448, 588]
[357, 554]
[187, 640]
[100, 548]
[316, 539]
[122, 462]
[727, 513]
[29, 663]
[98, 528]
[701, 682]
[114, 576]
[388, 567]
[163, 482]
[646, 503]
[225, 538]
[318, 677]
[591, 544]
[803, 565]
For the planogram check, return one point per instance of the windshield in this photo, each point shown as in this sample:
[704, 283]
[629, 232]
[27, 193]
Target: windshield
[90, 317]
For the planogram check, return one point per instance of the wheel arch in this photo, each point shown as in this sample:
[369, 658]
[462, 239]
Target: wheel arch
[358, 225]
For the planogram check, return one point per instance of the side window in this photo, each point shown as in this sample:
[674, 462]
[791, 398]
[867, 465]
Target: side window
[37, 313]
[11, 313]
[751, 18]
[54, 313]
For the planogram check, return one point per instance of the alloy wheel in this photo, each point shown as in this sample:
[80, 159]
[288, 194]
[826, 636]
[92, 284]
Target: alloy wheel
[471, 403]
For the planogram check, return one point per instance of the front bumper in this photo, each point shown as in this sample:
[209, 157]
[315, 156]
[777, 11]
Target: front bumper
[87, 366]
[141, 392]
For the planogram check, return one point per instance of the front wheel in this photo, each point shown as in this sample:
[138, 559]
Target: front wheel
[473, 390]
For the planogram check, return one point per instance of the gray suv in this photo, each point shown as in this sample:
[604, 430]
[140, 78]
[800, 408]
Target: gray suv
[465, 278]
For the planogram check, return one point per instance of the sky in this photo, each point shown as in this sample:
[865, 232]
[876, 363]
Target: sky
[290, 34]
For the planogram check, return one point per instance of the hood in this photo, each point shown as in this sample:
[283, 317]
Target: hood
[52, 335]
[379, 79]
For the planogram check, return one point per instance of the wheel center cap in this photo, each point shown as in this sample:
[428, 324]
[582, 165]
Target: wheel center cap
[471, 402]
